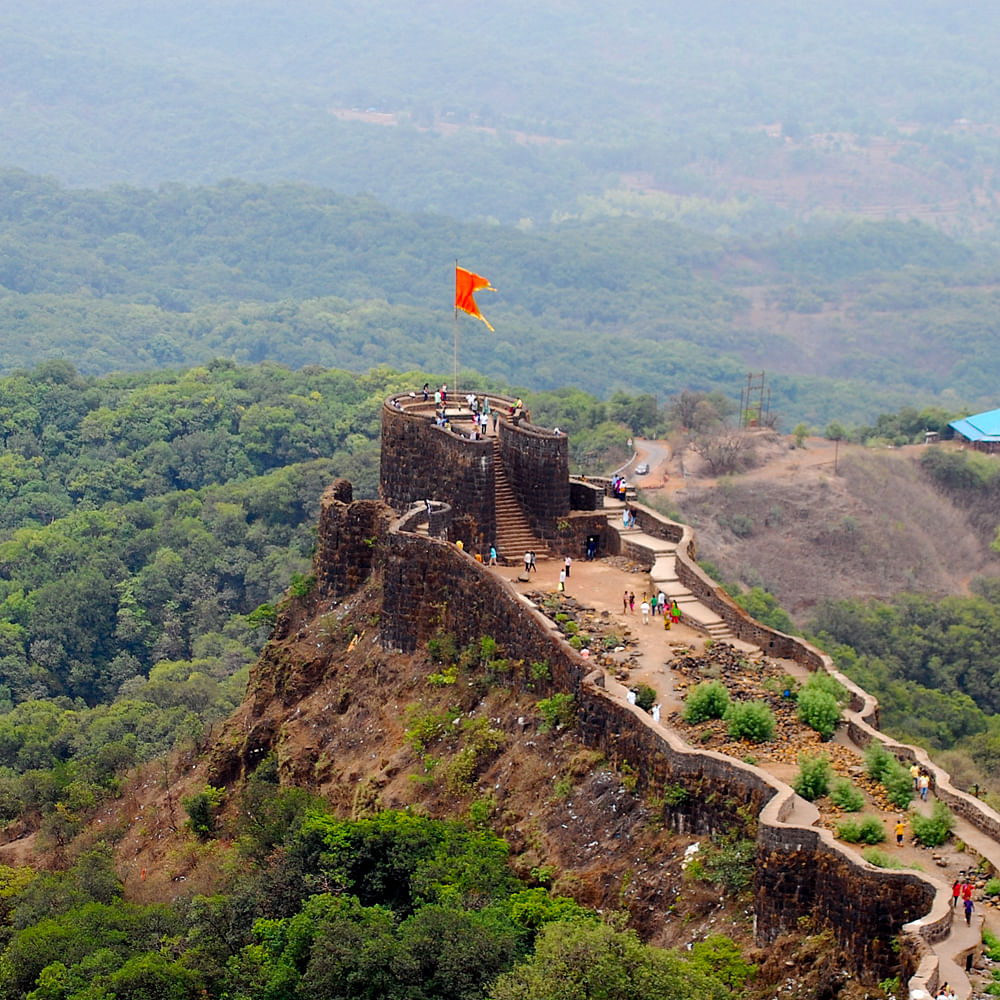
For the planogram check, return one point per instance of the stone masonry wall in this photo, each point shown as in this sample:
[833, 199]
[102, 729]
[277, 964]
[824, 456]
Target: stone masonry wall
[537, 467]
[422, 461]
[428, 585]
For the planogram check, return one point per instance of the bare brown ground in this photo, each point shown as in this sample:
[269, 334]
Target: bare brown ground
[825, 521]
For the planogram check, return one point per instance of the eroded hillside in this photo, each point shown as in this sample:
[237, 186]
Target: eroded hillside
[806, 530]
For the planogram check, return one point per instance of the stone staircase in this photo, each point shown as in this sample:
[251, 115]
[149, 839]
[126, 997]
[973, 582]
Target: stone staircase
[663, 576]
[514, 533]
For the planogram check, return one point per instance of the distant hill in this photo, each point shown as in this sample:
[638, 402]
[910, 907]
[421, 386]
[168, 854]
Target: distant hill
[757, 116]
[849, 319]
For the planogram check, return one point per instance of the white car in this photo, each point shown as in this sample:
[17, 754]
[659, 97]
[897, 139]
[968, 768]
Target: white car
[642, 469]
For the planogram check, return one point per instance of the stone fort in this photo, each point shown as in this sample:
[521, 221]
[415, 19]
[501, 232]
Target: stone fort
[441, 484]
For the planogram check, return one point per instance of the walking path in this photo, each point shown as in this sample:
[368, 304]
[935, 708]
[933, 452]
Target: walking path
[601, 586]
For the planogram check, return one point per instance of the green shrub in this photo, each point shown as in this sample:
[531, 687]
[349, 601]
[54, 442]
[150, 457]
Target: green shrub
[878, 760]
[645, 696]
[813, 779]
[820, 680]
[750, 720]
[819, 710]
[731, 864]
[540, 670]
[557, 711]
[709, 700]
[861, 830]
[202, 809]
[935, 829]
[991, 946]
[442, 648]
[846, 796]
[898, 784]
[992, 887]
[877, 857]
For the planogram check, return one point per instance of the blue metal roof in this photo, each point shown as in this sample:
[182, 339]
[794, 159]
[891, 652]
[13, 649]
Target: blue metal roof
[979, 427]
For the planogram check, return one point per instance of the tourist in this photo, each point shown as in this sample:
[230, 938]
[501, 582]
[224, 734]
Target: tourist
[900, 830]
[644, 610]
[493, 555]
[625, 603]
[967, 903]
[675, 612]
[631, 603]
[427, 387]
[527, 562]
[460, 545]
[531, 565]
[569, 562]
[661, 602]
[562, 581]
[924, 783]
[915, 774]
[956, 893]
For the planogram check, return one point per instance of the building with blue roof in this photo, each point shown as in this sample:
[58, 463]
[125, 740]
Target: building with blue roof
[981, 430]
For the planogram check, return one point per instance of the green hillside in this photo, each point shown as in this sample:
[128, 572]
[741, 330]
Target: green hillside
[849, 319]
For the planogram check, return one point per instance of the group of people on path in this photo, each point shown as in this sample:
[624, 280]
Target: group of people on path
[652, 605]
[921, 781]
[618, 487]
[962, 888]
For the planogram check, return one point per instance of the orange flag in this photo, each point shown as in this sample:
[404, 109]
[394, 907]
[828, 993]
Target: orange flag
[466, 284]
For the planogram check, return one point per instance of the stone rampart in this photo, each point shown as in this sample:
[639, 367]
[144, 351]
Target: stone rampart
[422, 461]
[537, 465]
[801, 874]
[585, 495]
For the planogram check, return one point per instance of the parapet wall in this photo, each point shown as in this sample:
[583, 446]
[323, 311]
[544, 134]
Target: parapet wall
[801, 872]
[421, 461]
[537, 467]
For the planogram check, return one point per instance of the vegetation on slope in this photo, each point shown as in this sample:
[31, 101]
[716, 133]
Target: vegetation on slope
[845, 318]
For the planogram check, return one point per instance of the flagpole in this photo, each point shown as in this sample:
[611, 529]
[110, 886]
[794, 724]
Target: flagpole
[455, 358]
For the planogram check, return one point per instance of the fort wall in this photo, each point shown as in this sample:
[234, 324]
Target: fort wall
[802, 873]
[422, 461]
[537, 467]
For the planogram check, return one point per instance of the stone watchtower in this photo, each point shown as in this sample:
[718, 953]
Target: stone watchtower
[508, 488]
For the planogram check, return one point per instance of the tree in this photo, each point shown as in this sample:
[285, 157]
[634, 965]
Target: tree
[726, 452]
[579, 960]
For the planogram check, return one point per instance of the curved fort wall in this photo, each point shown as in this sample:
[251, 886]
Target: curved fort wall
[537, 466]
[801, 872]
[423, 461]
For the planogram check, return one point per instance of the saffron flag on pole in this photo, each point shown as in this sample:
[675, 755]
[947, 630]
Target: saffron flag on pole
[466, 285]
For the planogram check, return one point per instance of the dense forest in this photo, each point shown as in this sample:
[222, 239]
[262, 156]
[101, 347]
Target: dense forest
[847, 318]
[392, 906]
